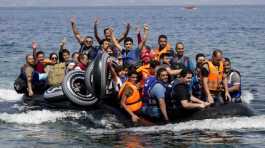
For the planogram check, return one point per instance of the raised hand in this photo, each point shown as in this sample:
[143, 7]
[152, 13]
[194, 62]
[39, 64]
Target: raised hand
[146, 27]
[34, 44]
[73, 20]
[137, 29]
[128, 25]
[63, 42]
[97, 20]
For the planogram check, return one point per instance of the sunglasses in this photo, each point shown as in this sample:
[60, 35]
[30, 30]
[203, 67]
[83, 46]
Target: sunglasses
[54, 58]
[89, 41]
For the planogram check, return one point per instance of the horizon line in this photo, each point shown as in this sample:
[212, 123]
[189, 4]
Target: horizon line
[154, 5]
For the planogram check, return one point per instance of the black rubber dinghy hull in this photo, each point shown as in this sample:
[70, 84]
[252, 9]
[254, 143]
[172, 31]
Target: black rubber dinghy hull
[54, 94]
[220, 111]
[100, 74]
[89, 77]
[38, 102]
[75, 89]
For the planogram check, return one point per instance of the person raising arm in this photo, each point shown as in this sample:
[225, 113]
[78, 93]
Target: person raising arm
[107, 32]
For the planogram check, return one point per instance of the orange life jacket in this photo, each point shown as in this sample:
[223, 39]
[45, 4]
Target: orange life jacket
[158, 52]
[215, 76]
[145, 70]
[133, 102]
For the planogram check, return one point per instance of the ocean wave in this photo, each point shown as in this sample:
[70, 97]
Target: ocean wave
[9, 95]
[235, 123]
[247, 97]
[38, 117]
[106, 121]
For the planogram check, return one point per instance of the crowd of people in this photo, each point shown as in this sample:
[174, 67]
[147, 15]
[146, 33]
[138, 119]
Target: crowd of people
[147, 79]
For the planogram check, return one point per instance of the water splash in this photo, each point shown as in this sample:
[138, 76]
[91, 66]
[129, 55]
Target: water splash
[247, 97]
[235, 123]
[38, 117]
[9, 95]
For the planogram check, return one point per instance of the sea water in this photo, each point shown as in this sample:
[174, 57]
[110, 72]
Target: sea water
[238, 30]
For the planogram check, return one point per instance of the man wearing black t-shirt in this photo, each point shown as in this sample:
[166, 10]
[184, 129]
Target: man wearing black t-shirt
[181, 92]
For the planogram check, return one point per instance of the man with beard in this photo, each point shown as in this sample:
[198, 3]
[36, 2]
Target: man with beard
[154, 95]
[214, 81]
[233, 80]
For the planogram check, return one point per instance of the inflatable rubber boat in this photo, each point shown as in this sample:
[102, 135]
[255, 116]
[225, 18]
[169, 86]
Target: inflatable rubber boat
[93, 89]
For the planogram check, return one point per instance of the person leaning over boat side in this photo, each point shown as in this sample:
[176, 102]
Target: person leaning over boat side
[154, 95]
[130, 96]
[163, 47]
[130, 56]
[214, 81]
[233, 81]
[180, 92]
[196, 83]
[107, 33]
[179, 60]
[86, 43]
[27, 73]
[31, 77]
[82, 62]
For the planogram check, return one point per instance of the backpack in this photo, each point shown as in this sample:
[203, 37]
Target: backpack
[20, 85]
[56, 74]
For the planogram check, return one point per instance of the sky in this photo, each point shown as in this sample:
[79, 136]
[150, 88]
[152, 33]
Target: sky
[63, 3]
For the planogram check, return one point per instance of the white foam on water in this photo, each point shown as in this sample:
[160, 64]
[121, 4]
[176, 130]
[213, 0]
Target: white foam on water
[9, 95]
[247, 97]
[226, 124]
[235, 123]
[38, 117]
